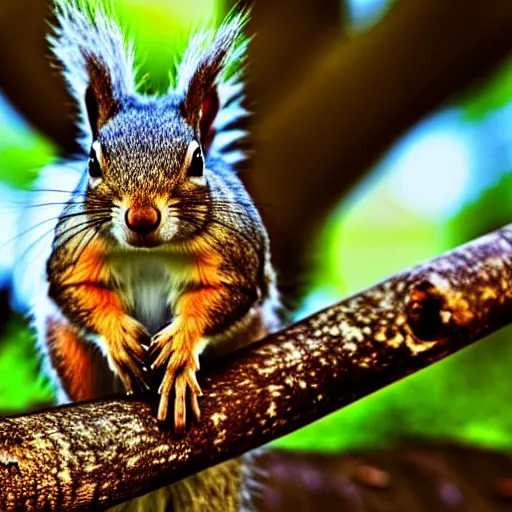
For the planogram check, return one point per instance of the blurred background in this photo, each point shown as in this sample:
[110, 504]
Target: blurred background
[383, 137]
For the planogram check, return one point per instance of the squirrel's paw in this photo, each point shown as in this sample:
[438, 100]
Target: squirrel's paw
[180, 373]
[127, 355]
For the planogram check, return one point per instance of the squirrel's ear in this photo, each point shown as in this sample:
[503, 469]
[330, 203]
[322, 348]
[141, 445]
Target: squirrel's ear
[209, 57]
[208, 112]
[97, 64]
[100, 101]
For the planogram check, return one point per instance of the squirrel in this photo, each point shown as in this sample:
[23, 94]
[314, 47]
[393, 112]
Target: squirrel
[158, 252]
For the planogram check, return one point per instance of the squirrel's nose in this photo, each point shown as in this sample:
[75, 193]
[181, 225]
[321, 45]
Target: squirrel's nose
[142, 220]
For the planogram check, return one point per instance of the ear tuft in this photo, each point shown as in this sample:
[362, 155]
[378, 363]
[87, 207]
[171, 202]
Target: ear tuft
[97, 64]
[212, 58]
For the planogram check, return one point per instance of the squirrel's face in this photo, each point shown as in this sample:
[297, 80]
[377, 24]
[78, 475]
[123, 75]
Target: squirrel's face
[147, 180]
[147, 168]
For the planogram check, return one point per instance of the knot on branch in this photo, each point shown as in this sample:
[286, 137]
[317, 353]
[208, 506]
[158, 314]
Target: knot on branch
[429, 318]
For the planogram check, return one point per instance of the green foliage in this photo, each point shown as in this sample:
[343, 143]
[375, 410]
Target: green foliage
[491, 210]
[160, 30]
[22, 154]
[495, 94]
[370, 237]
[21, 384]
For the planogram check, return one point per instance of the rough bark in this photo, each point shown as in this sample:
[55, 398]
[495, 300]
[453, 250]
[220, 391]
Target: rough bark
[101, 453]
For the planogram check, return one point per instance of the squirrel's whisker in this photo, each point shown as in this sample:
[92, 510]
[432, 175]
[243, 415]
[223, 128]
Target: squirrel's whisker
[32, 246]
[228, 202]
[39, 224]
[242, 215]
[223, 208]
[191, 219]
[90, 221]
[95, 233]
[80, 227]
[17, 206]
[43, 236]
[53, 190]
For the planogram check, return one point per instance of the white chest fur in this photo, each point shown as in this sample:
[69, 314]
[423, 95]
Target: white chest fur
[149, 283]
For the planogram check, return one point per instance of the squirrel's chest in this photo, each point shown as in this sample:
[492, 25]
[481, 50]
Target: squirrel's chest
[149, 285]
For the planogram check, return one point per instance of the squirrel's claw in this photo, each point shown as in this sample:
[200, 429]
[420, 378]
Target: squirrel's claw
[132, 374]
[180, 374]
[160, 351]
[127, 355]
[171, 349]
[183, 381]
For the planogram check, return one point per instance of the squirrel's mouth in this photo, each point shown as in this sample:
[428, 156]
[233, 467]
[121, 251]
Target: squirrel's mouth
[143, 240]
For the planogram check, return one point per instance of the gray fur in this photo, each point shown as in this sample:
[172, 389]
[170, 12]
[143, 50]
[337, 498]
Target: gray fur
[145, 141]
[91, 46]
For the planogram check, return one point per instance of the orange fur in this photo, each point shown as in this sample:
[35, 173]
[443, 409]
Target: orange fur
[91, 266]
[76, 361]
[206, 270]
[192, 308]
[104, 313]
[106, 306]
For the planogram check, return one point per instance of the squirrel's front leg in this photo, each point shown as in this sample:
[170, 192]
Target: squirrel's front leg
[198, 313]
[85, 295]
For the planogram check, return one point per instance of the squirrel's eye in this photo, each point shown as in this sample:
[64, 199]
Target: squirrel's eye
[94, 164]
[196, 164]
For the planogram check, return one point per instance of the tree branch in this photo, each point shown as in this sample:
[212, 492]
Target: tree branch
[101, 453]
